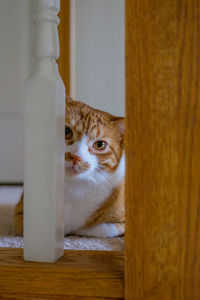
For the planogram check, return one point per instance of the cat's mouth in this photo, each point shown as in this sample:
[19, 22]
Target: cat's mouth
[73, 169]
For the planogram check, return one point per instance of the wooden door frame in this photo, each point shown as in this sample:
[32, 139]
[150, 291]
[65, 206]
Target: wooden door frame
[162, 150]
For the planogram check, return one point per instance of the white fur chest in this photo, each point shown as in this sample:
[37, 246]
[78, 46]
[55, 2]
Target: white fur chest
[81, 200]
[84, 196]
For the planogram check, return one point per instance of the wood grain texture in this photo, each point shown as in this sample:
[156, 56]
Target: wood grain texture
[163, 149]
[64, 38]
[46, 297]
[77, 275]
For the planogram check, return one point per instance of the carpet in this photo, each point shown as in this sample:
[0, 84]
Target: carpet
[10, 195]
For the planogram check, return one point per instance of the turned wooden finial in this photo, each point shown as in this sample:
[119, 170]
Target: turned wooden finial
[45, 20]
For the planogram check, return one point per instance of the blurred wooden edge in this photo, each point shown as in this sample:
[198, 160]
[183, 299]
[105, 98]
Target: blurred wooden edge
[84, 274]
[64, 38]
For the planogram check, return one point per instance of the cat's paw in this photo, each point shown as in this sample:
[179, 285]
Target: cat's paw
[102, 230]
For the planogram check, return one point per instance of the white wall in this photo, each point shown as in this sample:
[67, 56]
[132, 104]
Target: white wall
[97, 68]
[97, 53]
[15, 53]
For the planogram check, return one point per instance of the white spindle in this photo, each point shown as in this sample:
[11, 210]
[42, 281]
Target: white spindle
[44, 141]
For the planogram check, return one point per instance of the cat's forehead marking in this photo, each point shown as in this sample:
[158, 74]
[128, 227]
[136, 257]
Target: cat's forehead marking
[72, 122]
[94, 131]
[89, 127]
[85, 120]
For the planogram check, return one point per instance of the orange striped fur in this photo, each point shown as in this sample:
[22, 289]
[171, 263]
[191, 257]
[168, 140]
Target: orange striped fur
[95, 167]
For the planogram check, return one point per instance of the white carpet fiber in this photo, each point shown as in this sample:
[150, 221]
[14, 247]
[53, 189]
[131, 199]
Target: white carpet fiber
[10, 195]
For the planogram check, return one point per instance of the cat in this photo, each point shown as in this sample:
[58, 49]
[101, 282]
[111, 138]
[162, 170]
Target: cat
[94, 173]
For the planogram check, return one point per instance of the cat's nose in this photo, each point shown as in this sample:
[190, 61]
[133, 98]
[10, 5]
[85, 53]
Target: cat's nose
[75, 158]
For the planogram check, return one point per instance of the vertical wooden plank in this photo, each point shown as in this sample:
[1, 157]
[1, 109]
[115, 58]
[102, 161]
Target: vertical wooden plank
[64, 37]
[163, 149]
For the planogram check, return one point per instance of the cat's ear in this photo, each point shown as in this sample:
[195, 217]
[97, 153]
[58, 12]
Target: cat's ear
[120, 124]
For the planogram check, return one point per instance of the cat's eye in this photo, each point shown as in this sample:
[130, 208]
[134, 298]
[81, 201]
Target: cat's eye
[68, 133]
[99, 145]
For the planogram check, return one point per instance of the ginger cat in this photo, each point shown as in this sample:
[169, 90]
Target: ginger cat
[95, 169]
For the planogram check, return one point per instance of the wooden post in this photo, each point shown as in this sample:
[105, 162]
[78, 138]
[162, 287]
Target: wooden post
[163, 149]
[44, 142]
[64, 37]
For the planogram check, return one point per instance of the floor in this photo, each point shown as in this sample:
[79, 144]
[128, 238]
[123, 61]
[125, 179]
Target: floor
[10, 195]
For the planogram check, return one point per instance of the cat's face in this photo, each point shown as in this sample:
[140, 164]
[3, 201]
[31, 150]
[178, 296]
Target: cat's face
[94, 141]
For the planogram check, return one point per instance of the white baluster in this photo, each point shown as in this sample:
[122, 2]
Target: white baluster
[44, 141]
